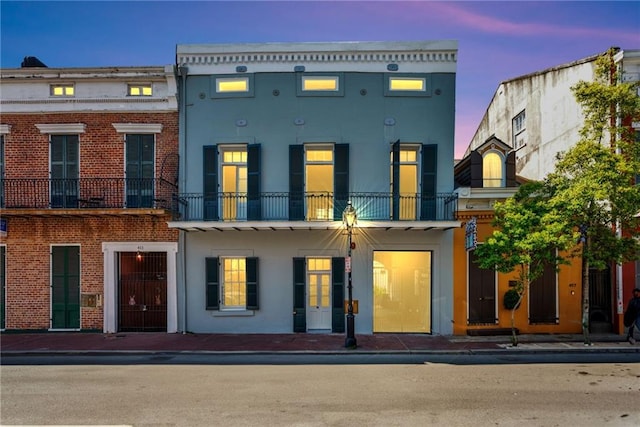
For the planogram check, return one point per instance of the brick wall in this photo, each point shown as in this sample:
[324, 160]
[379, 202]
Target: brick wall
[29, 237]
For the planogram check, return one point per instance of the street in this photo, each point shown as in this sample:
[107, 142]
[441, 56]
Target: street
[534, 394]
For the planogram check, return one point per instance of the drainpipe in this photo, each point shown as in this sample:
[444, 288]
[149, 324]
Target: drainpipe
[182, 247]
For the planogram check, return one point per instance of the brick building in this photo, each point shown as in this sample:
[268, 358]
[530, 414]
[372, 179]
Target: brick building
[88, 166]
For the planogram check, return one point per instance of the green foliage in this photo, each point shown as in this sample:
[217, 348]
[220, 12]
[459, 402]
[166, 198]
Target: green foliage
[511, 299]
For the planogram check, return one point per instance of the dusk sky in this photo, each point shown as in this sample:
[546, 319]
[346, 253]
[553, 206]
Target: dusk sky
[497, 40]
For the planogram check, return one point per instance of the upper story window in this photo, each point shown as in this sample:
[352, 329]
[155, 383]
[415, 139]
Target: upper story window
[492, 170]
[320, 83]
[140, 90]
[407, 84]
[519, 127]
[232, 84]
[62, 90]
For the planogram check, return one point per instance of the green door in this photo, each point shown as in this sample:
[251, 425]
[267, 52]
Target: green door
[65, 287]
[2, 285]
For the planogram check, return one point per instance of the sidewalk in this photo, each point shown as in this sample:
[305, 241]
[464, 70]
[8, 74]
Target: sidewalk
[136, 342]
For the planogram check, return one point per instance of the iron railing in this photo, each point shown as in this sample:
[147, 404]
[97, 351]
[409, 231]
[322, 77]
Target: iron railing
[284, 206]
[80, 193]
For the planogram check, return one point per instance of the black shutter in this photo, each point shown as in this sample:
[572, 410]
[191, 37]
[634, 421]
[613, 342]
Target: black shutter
[340, 180]
[252, 283]
[511, 169]
[213, 284]
[337, 297]
[395, 164]
[476, 169]
[210, 182]
[429, 169]
[296, 182]
[299, 306]
[254, 207]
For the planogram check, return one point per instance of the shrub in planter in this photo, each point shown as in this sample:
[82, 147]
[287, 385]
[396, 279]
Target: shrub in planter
[511, 299]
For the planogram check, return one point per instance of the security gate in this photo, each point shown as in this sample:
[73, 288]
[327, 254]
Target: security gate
[142, 291]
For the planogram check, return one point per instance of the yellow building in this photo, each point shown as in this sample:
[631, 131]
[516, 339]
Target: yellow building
[553, 302]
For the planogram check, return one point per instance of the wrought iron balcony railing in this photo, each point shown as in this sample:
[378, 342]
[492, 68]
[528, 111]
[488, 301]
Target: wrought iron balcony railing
[283, 206]
[80, 193]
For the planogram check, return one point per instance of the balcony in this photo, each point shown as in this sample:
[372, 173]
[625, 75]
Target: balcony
[85, 194]
[284, 206]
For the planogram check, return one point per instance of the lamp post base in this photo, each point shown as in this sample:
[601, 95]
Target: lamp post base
[350, 341]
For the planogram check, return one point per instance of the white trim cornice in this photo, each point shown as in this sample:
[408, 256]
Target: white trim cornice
[72, 128]
[428, 56]
[138, 127]
[5, 129]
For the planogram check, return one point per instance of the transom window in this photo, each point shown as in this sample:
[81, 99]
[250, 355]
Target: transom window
[62, 90]
[233, 289]
[407, 84]
[232, 84]
[140, 90]
[319, 83]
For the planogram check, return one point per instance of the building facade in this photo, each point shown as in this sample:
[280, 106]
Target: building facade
[551, 304]
[89, 160]
[539, 117]
[276, 140]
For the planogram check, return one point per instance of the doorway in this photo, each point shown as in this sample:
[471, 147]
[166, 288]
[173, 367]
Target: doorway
[319, 294]
[142, 291]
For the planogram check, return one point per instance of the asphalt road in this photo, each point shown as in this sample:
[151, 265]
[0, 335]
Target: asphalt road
[418, 394]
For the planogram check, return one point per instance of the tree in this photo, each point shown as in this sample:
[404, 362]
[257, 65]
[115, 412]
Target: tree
[594, 181]
[528, 234]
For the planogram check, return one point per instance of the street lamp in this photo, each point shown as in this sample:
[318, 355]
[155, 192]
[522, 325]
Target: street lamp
[349, 218]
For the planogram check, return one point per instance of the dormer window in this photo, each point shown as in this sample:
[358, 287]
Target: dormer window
[62, 90]
[140, 90]
[492, 170]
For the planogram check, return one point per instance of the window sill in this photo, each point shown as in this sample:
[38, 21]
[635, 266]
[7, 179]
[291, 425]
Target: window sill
[233, 313]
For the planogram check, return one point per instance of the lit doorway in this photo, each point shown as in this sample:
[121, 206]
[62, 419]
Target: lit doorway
[402, 291]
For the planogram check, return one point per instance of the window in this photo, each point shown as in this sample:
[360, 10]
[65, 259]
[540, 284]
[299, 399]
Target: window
[402, 291]
[64, 166]
[519, 127]
[407, 184]
[140, 90]
[320, 83]
[62, 90]
[233, 201]
[319, 182]
[232, 84]
[492, 170]
[1, 171]
[232, 283]
[140, 170]
[407, 84]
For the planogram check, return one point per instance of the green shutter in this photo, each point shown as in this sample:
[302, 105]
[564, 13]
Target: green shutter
[65, 287]
[341, 180]
[296, 182]
[511, 170]
[395, 165]
[299, 300]
[475, 159]
[337, 297]
[429, 169]
[210, 182]
[213, 284]
[252, 283]
[2, 285]
[254, 206]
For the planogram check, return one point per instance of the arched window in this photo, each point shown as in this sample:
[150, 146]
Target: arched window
[492, 170]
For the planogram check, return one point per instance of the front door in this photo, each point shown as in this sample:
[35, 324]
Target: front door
[482, 292]
[319, 294]
[65, 287]
[143, 291]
